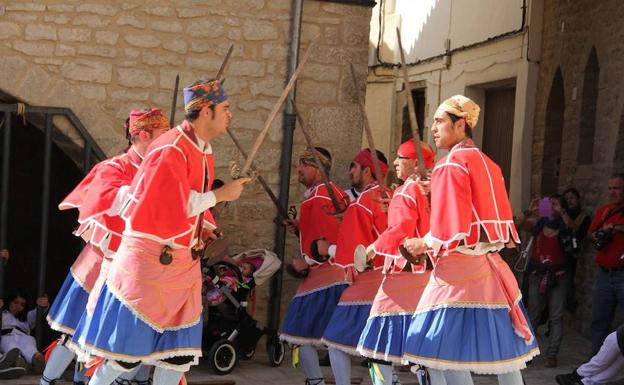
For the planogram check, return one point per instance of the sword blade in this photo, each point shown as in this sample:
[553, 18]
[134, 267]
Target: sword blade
[274, 112]
[369, 133]
[174, 100]
[324, 177]
[422, 170]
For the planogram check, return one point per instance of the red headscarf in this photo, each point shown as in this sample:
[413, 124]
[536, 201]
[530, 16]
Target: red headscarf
[365, 159]
[141, 120]
[408, 150]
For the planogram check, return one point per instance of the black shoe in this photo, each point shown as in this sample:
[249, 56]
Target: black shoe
[569, 379]
[12, 373]
[8, 359]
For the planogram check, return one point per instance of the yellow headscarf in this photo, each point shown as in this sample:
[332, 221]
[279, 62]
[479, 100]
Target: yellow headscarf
[461, 106]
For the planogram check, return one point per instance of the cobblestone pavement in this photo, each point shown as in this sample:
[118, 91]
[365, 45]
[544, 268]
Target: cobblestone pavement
[574, 351]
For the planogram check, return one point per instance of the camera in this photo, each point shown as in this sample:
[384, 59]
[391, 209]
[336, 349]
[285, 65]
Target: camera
[602, 238]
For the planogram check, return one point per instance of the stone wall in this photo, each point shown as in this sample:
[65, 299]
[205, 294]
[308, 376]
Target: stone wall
[568, 39]
[102, 58]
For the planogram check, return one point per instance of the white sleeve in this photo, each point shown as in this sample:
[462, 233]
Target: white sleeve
[432, 243]
[119, 201]
[200, 202]
[31, 317]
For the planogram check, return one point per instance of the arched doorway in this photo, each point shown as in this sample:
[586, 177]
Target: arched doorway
[551, 160]
[585, 154]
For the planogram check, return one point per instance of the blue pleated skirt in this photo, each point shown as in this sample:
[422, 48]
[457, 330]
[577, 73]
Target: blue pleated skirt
[481, 340]
[345, 327]
[383, 337]
[68, 306]
[115, 332]
[308, 315]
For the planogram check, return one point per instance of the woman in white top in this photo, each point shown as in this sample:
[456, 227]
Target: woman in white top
[16, 327]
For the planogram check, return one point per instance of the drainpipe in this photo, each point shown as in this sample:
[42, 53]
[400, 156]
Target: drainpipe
[288, 129]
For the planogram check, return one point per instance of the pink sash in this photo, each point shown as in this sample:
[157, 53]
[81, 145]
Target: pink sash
[86, 267]
[324, 276]
[475, 281]
[364, 288]
[167, 297]
[399, 293]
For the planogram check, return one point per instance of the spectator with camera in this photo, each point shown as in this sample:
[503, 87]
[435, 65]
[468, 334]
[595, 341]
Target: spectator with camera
[576, 218]
[607, 234]
[548, 270]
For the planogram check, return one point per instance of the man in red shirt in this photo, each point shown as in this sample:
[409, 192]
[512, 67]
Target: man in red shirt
[607, 234]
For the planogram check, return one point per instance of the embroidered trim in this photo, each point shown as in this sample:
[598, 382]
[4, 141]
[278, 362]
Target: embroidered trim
[478, 367]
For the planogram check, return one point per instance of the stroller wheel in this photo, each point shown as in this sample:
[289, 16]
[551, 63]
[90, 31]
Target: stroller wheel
[222, 357]
[277, 351]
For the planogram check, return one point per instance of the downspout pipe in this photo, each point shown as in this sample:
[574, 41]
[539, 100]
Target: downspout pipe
[288, 131]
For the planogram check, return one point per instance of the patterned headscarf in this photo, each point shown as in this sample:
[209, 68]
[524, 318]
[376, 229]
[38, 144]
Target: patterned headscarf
[198, 96]
[461, 106]
[150, 120]
[307, 158]
[408, 150]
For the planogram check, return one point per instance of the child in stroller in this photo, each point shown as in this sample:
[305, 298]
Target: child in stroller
[229, 330]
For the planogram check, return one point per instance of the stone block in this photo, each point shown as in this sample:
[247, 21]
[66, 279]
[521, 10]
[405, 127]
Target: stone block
[205, 29]
[163, 99]
[321, 72]
[310, 32]
[32, 89]
[24, 17]
[9, 30]
[209, 64]
[282, 5]
[234, 34]
[355, 34]
[160, 59]
[74, 34]
[278, 52]
[40, 32]
[88, 70]
[64, 50]
[176, 45]
[167, 78]
[187, 13]
[23, 6]
[142, 40]
[93, 21]
[98, 9]
[132, 53]
[246, 68]
[133, 77]
[96, 50]
[14, 65]
[129, 96]
[331, 35]
[56, 19]
[249, 5]
[259, 30]
[269, 86]
[166, 26]
[106, 37]
[309, 91]
[201, 46]
[130, 20]
[157, 10]
[60, 8]
[91, 91]
[34, 48]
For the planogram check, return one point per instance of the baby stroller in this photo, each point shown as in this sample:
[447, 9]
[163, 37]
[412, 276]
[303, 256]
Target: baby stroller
[229, 331]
